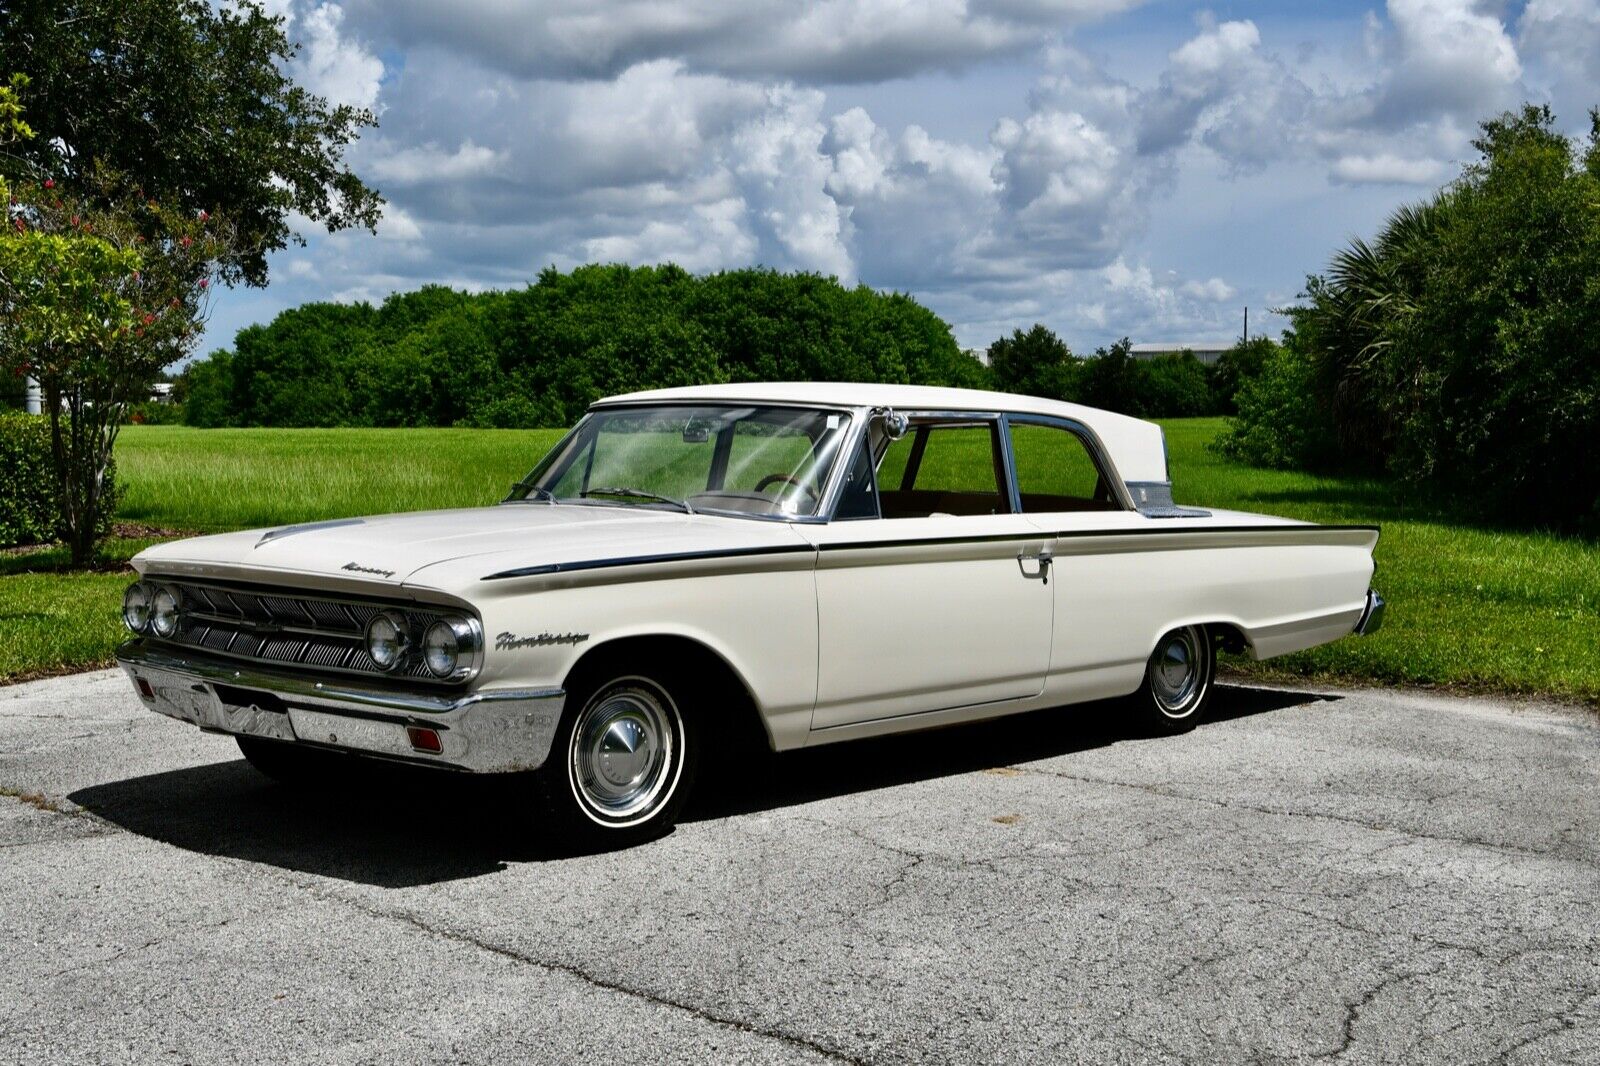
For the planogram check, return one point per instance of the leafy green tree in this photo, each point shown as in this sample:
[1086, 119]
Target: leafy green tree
[1113, 380]
[191, 102]
[1174, 385]
[94, 301]
[299, 370]
[1236, 366]
[205, 390]
[1460, 349]
[1035, 363]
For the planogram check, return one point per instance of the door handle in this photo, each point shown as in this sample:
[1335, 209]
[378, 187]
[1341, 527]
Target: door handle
[1042, 557]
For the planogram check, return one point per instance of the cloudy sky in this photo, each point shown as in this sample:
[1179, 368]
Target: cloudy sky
[1108, 167]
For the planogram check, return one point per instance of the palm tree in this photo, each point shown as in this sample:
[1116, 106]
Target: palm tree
[1357, 322]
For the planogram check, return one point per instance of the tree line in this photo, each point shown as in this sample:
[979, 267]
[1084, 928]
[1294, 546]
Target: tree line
[539, 356]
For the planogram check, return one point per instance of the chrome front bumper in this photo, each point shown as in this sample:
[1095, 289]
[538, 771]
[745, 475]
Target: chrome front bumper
[494, 731]
[1371, 619]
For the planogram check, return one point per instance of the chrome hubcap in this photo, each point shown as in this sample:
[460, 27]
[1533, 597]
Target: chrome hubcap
[1177, 672]
[622, 757]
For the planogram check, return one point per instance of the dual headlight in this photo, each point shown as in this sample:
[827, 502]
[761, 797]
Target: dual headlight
[449, 647]
[151, 609]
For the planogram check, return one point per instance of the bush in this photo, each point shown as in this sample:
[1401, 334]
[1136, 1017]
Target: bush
[1460, 348]
[1175, 386]
[154, 414]
[28, 493]
[1236, 366]
[1280, 421]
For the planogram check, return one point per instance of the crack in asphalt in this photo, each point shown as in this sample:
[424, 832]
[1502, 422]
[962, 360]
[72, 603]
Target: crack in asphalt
[1563, 1024]
[1284, 812]
[915, 858]
[468, 940]
[593, 980]
[1353, 1008]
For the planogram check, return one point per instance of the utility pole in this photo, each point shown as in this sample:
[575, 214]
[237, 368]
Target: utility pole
[33, 401]
[1246, 337]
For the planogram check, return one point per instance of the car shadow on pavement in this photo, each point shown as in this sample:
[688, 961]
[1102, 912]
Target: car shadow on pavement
[397, 827]
[883, 762]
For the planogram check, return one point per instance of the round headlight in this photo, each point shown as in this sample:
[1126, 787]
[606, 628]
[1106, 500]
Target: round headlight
[136, 607]
[164, 612]
[441, 649]
[388, 637]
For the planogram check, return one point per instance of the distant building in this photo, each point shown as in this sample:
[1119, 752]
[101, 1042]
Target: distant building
[161, 392]
[1208, 352]
[980, 354]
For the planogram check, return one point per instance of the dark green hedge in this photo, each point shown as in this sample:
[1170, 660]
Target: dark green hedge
[28, 513]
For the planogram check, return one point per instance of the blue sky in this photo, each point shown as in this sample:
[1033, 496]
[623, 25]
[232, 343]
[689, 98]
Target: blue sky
[1108, 167]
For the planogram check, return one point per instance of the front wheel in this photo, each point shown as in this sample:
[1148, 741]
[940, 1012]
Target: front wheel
[622, 762]
[1177, 681]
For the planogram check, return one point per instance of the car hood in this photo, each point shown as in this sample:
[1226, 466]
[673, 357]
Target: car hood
[445, 549]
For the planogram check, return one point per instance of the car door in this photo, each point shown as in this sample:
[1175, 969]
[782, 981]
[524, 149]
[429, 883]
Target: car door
[1067, 486]
[931, 589]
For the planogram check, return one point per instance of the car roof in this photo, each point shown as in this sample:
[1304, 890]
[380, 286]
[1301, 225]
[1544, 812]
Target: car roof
[1136, 446]
[866, 394]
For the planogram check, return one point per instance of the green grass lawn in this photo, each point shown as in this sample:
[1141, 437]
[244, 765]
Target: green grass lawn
[176, 477]
[1469, 607]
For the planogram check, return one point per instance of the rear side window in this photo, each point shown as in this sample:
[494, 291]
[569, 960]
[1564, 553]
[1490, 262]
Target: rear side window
[950, 468]
[1057, 472]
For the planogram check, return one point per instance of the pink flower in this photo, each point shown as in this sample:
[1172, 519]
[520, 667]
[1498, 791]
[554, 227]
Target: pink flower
[49, 183]
[148, 318]
[204, 283]
[204, 215]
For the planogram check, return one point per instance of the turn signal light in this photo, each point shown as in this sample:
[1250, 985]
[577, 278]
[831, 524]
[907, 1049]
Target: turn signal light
[424, 739]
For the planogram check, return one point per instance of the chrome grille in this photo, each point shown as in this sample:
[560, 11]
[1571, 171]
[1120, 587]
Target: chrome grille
[321, 633]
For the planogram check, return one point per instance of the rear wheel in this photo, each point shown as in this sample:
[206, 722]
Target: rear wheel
[1177, 681]
[623, 760]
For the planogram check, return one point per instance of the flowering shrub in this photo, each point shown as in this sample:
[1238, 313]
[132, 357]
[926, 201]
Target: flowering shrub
[100, 289]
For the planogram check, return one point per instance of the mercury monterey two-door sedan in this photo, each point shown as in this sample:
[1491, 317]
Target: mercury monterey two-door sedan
[806, 563]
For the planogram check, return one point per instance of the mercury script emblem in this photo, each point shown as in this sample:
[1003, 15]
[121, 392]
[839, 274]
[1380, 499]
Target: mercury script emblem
[504, 641]
[358, 568]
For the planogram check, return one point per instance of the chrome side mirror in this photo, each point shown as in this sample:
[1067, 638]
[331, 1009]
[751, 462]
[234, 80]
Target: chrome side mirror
[895, 424]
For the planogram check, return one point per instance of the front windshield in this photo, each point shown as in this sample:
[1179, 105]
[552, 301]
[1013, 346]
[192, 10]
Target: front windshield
[745, 460]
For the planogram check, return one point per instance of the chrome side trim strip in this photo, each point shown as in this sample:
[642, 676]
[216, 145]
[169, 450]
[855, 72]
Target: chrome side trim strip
[1161, 530]
[646, 560]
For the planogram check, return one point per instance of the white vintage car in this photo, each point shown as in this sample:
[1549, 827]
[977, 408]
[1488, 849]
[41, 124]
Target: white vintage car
[808, 562]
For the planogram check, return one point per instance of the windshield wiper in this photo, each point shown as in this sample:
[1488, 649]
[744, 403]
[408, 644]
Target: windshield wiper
[536, 491]
[637, 494]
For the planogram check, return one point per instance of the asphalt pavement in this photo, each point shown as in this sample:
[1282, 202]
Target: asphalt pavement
[1341, 876]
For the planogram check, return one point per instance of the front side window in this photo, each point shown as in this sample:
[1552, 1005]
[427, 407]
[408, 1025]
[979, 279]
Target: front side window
[942, 468]
[764, 461]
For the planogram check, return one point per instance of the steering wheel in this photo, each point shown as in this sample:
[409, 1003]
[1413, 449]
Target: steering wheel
[786, 479]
